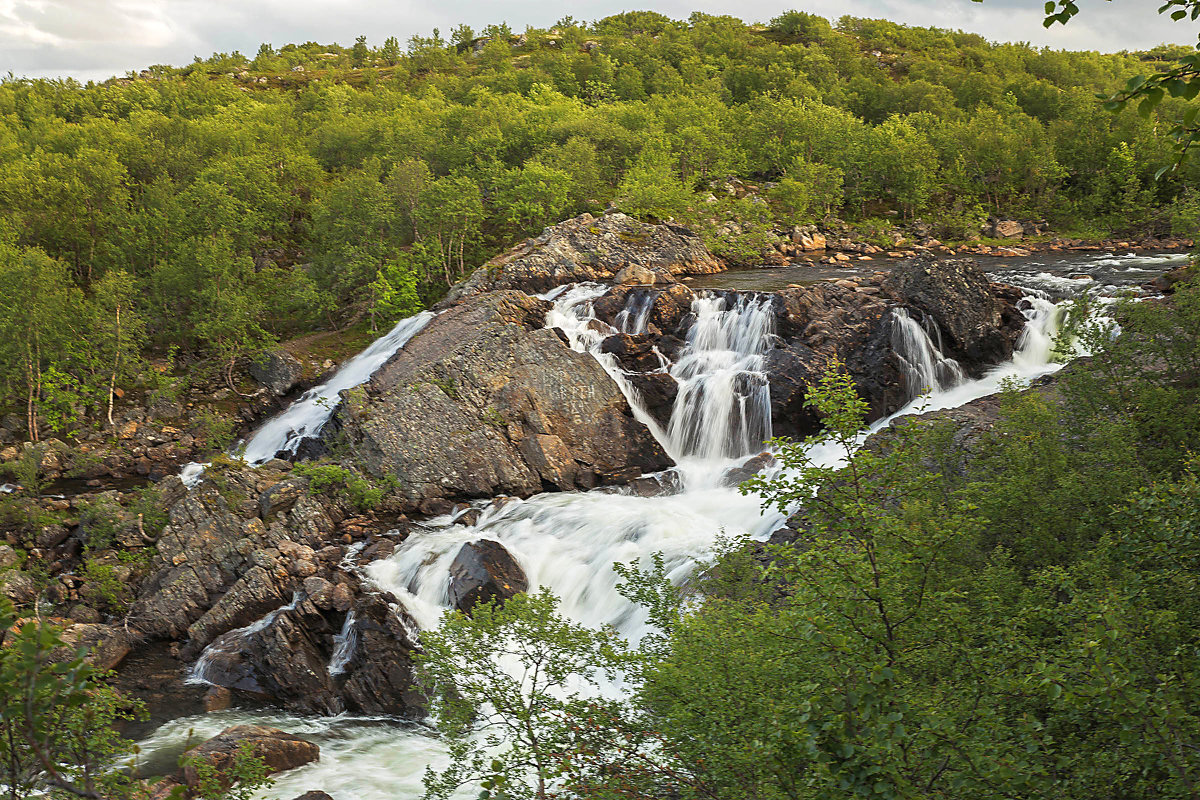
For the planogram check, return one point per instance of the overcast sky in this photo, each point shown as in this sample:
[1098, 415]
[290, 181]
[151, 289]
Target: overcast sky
[96, 39]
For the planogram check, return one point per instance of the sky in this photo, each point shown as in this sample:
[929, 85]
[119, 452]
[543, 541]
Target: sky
[96, 39]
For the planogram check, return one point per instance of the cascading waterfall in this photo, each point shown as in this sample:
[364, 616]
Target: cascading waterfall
[344, 645]
[723, 409]
[919, 347]
[569, 541]
[633, 317]
[306, 416]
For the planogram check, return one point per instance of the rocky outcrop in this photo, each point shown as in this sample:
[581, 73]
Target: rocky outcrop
[278, 750]
[219, 566]
[484, 572]
[278, 370]
[968, 310]
[312, 657]
[486, 401]
[589, 248]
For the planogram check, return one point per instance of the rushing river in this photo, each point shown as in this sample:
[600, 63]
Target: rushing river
[569, 541]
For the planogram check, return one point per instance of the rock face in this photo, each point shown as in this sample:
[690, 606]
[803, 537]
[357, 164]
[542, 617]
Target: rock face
[589, 248]
[318, 660]
[957, 296]
[220, 566]
[278, 370]
[484, 571]
[486, 401]
[279, 751]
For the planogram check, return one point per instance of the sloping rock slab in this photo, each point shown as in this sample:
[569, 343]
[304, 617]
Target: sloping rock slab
[486, 401]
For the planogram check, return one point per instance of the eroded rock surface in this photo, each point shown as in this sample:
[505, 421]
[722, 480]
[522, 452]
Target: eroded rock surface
[589, 248]
[486, 401]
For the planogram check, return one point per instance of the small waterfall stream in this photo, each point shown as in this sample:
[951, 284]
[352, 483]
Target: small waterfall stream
[569, 541]
[919, 347]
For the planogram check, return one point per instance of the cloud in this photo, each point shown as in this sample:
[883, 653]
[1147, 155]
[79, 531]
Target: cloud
[95, 39]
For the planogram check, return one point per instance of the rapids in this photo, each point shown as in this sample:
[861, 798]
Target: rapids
[569, 541]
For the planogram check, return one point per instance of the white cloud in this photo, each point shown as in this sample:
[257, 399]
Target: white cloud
[94, 39]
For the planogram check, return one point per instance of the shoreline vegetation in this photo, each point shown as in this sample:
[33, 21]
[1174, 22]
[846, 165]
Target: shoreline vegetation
[180, 220]
[995, 600]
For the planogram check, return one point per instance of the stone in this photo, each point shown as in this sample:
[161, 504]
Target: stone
[1008, 229]
[106, 645]
[218, 698]
[8, 556]
[278, 370]
[486, 401]
[484, 571]
[313, 796]
[18, 587]
[979, 326]
[587, 248]
[278, 750]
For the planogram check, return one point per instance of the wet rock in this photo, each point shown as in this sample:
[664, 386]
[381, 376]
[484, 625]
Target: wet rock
[279, 751]
[484, 571]
[587, 248]
[633, 353]
[486, 401]
[313, 796]
[663, 483]
[278, 370]
[957, 296]
[670, 306]
[657, 391]
[747, 469]
[290, 659]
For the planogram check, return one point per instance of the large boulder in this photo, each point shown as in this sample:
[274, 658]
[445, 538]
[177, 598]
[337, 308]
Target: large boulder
[278, 750]
[976, 321]
[482, 572]
[486, 401]
[278, 370]
[589, 248]
[318, 660]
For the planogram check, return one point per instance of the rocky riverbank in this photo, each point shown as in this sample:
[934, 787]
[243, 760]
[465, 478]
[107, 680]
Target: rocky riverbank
[248, 587]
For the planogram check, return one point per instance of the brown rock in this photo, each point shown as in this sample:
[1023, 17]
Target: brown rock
[587, 248]
[279, 751]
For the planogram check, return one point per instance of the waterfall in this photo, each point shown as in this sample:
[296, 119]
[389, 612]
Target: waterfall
[638, 305]
[569, 541]
[919, 347]
[344, 645]
[306, 416]
[724, 404]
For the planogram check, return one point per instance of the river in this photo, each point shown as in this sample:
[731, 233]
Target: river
[569, 541]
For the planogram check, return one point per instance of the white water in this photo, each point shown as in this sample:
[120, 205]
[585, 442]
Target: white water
[345, 643]
[569, 541]
[306, 416]
[919, 347]
[723, 409]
